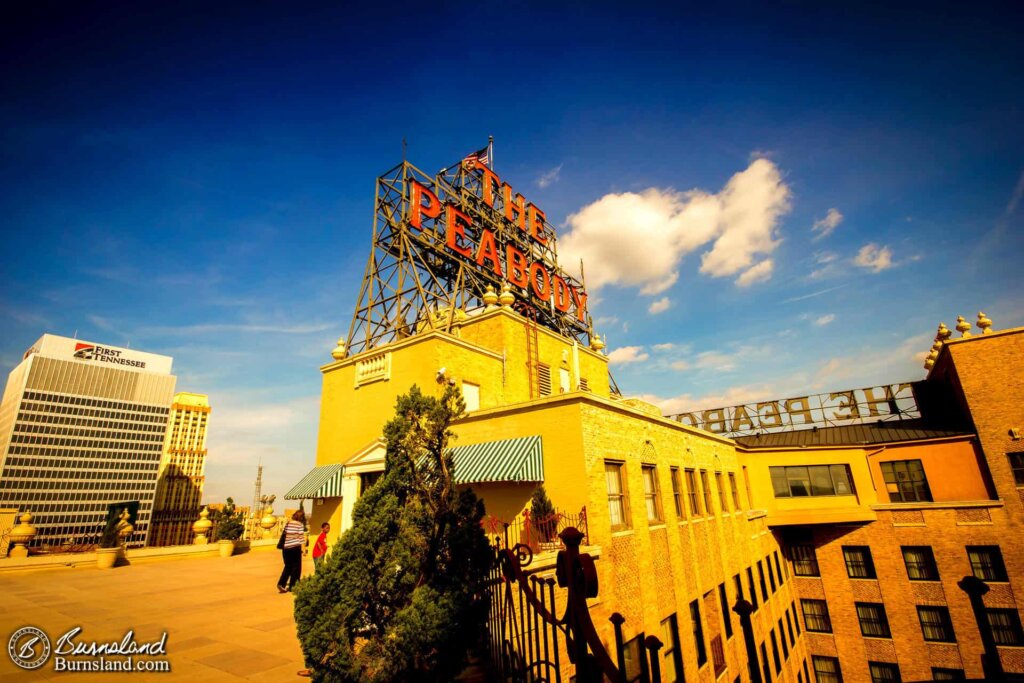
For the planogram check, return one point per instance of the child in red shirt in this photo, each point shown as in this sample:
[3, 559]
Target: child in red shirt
[320, 547]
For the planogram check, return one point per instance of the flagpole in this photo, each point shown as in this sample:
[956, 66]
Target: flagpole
[490, 151]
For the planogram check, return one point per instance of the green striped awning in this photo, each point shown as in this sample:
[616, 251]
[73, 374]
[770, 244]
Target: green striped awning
[321, 482]
[505, 460]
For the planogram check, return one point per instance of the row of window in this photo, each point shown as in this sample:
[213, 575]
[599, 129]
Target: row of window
[136, 435]
[98, 403]
[120, 454]
[140, 442]
[96, 506]
[826, 670]
[34, 465]
[986, 562]
[905, 481]
[699, 505]
[41, 409]
[45, 419]
[12, 496]
[43, 476]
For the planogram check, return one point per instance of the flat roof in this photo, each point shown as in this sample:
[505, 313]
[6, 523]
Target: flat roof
[892, 431]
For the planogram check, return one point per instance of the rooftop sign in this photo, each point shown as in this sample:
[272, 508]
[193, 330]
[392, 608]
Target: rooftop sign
[440, 242]
[854, 406]
[65, 348]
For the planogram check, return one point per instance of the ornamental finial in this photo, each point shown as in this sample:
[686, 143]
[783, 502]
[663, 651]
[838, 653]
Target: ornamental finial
[963, 327]
[984, 324]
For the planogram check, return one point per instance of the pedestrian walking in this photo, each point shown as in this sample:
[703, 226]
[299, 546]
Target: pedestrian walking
[293, 537]
[320, 547]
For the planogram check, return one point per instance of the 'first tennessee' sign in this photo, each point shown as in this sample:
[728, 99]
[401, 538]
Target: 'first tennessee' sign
[497, 231]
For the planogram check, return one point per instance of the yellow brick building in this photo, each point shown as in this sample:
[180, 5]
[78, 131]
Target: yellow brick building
[686, 522]
[179, 492]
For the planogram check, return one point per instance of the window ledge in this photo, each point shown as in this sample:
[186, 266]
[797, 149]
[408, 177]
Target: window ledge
[655, 526]
[622, 532]
[939, 505]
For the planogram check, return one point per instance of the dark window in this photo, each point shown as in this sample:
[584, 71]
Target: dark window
[738, 585]
[671, 657]
[805, 563]
[778, 567]
[764, 586]
[634, 659]
[771, 573]
[905, 481]
[775, 652]
[936, 624]
[652, 493]
[676, 493]
[920, 561]
[750, 584]
[858, 562]
[826, 669]
[883, 672]
[726, 614]
[789, 623]
[765, 666]
[722, 501]
[735, 491]
[813, 480]
[873, 622]
[1017, 465]
[1005, 624]
[987, 562]
[782, 637]
[816, 617]
[942, 674]
[698, 633]
[717, 655]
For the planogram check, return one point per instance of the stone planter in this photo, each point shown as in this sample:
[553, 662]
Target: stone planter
[106, 557]
[226, 548]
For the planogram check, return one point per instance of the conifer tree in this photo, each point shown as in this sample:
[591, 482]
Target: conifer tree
[400, 597]
[542, 514]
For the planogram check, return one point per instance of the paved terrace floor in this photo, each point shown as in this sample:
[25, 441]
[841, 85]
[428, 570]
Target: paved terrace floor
[224, 617]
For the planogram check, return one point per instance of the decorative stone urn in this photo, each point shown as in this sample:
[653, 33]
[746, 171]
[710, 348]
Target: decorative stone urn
[124, 530]
[202, 527]
[268, 522]
[21, 534]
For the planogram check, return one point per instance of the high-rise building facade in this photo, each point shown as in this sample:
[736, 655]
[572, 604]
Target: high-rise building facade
[82, 427]
[179, 491]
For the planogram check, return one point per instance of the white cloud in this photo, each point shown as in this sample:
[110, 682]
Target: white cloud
[734, 396]
[827, 225]
[627, 354]
[667, 346]
[659, 306]
[715, 360]
[680, 365]
[549, 177]
[824, 320]
[759, 273]
[640, 239]
[874, 257]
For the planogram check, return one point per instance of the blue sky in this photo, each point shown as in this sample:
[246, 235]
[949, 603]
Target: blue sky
[198, 181]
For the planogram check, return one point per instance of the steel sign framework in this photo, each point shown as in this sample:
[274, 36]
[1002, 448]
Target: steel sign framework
[423, 273]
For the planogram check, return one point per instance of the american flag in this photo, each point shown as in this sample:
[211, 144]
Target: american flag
[479, 156]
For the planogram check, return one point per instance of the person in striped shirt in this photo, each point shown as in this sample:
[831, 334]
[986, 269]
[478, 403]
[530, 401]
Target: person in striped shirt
[293, 539]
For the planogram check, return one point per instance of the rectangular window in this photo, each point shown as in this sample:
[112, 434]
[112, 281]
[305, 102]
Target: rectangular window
[676, 493]
[1005, 625]
[782, 637]
[1017, 465]
[691, 492]
[735, 491]
[634, 659]
[920, 561]
[775, 652]
[873, 621]
[858, 562]
[618, 503]
[905, 481]
[750, 584]
[987, 562]
[771, 573]
[471, 395]
[671, 657]
[884, 672]
[726, 614]
[652, 497]
[698, 633]
[789, 626]
[814, 480]
[826, 669]
[935, 624]
[764, 586]
[816, 619]
[778, 566]
[765, 666]
[805, 562]
[717, 655]
[944, 674]
[720, 485]
[706, 484]
[738, 585]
